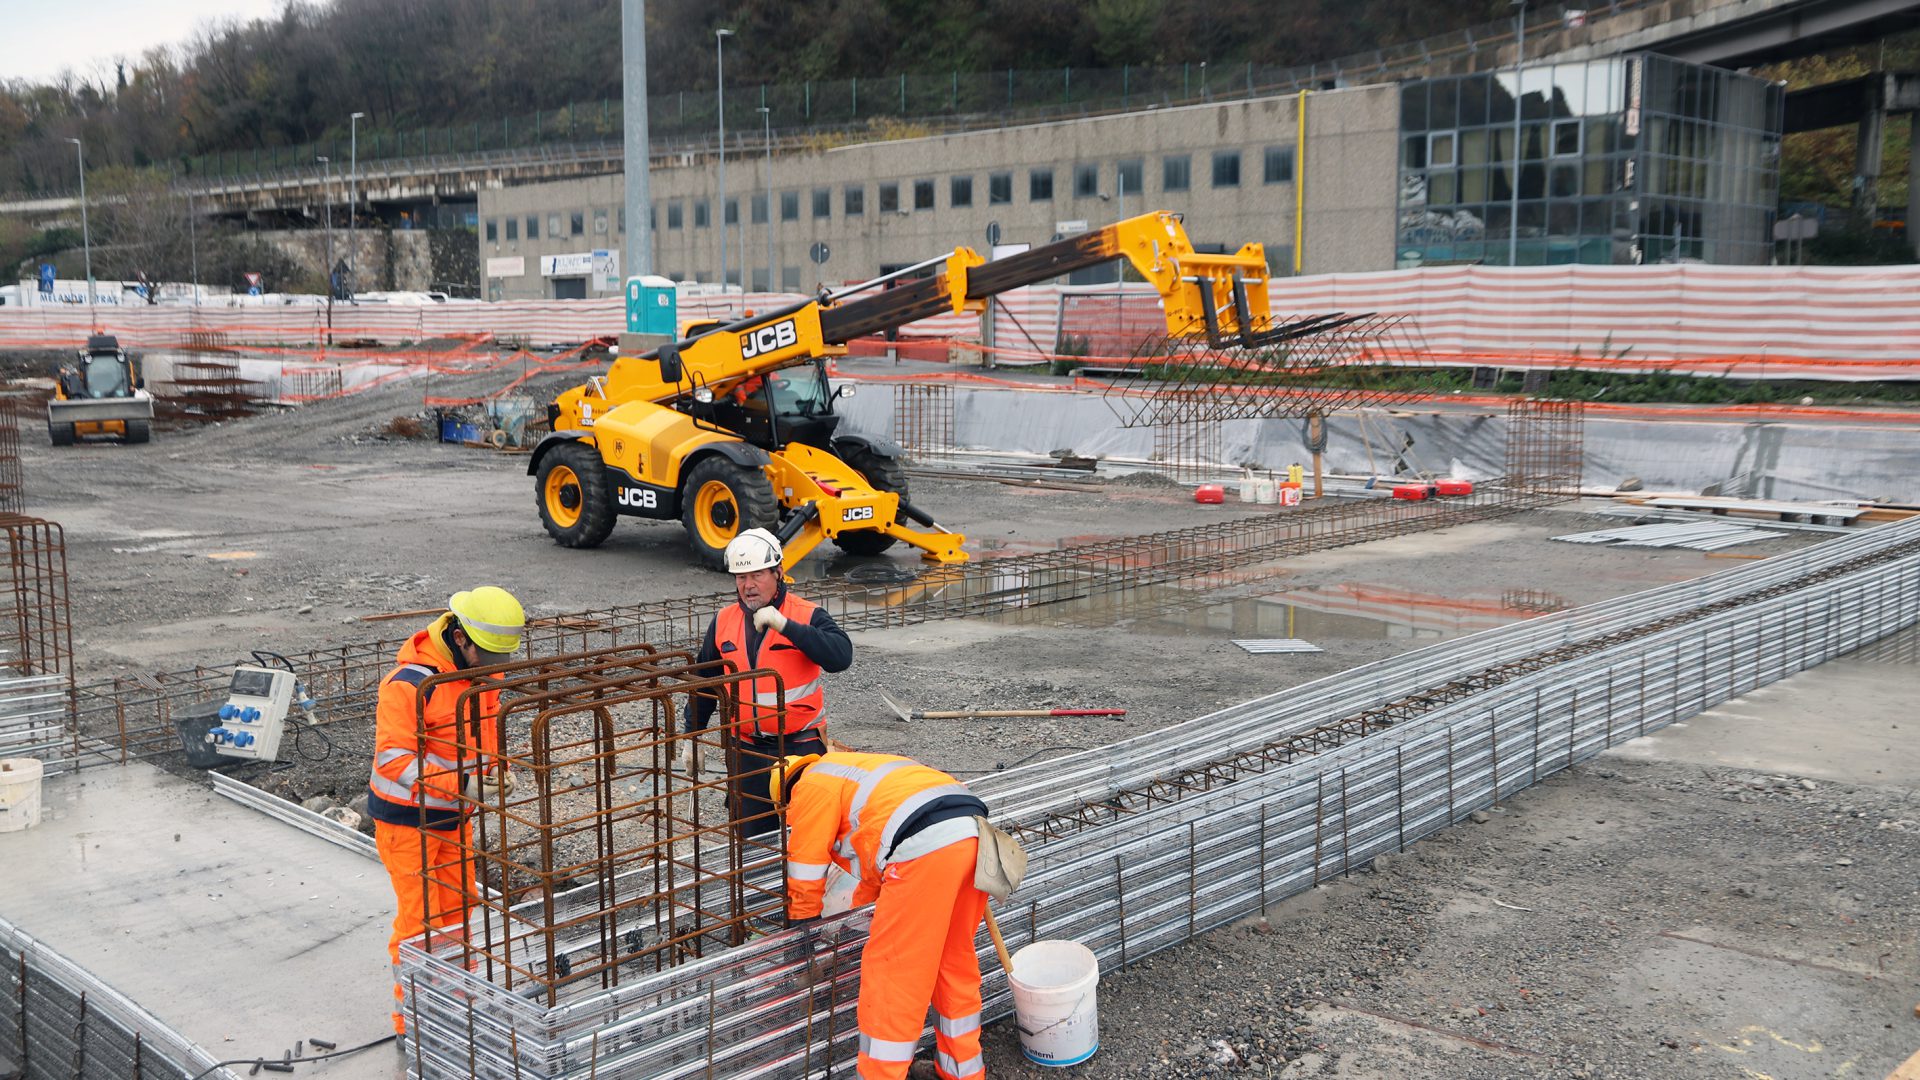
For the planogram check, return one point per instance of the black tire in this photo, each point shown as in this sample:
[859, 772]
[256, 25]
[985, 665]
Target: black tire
[746, 502]
[60, 434]
[886, 474]
[138, 431]
[580, 514]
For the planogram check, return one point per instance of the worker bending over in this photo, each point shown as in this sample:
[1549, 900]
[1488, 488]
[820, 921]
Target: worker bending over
[769, 628]
[908, 833]
[415, 794]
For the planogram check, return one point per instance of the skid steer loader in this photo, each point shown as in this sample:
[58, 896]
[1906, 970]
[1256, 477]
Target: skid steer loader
[99, 394]
[733, 427]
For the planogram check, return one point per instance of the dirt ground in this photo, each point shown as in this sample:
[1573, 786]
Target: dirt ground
[1532, 942]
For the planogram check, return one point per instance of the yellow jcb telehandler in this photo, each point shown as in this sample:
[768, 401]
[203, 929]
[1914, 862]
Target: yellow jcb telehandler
[733, 426]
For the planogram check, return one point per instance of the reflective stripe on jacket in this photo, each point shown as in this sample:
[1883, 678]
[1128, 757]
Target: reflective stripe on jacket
[847, 809]
[800, 677]
[411, 773]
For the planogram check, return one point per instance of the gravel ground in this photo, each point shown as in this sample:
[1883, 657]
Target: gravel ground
[281, 531]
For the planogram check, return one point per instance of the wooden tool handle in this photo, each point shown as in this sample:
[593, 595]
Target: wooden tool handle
[999, 943]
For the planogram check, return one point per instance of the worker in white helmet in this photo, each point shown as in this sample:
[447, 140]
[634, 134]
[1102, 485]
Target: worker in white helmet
[770, 628]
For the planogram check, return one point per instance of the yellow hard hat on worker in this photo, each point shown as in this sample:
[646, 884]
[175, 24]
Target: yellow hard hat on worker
[789, 766]
[492, 618]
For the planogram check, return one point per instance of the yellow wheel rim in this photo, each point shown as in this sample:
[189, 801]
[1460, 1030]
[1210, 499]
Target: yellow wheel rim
[564, 497]
[715, 514]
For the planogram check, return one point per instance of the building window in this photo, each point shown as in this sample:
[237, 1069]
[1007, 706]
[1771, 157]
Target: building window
[960, 191]
[762, 279]
[889, 198]
[1040, 185]
[1128, 174]
[1176, 173]
[493, 230]
[789, 206]
[853, 203]
[1442, 150]
[1226, 168]
[599, 223]
[513, 228]
[733, 211]
[533, 226]
[577, 222]
[790, 278]
[623, 220]
[923, 194]
[553, 226]
[1086, 181]
[702, 214]
[822, 203]
[999, 188]
[759, 209]
[1279, 169]
[1566, 138]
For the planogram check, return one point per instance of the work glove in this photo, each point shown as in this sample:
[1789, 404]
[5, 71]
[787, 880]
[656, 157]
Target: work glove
[769, 616]
[487, 788]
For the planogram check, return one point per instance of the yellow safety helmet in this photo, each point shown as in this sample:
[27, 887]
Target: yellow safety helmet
[491, 617]
[777, 780]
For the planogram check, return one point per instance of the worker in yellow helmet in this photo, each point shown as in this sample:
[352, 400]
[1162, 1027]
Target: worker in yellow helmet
[428, 775]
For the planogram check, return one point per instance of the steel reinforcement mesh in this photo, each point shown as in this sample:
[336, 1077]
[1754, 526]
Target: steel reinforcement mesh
[13, 494]
[1143, 845]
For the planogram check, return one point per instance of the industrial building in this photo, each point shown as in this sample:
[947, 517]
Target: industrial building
[1633, 159]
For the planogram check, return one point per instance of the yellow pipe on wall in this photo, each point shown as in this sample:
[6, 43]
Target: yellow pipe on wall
[1300, 183]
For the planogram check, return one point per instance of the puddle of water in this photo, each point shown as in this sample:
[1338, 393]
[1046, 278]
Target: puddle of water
[1901, 649]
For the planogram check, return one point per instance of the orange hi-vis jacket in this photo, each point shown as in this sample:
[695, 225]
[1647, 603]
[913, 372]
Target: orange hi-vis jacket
[806, 697]
[405, 780]
[848, 809]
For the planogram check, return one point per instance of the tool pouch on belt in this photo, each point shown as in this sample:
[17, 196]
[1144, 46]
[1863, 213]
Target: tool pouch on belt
[1002, 862]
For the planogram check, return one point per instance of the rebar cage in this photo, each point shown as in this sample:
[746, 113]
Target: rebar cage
[613, 853]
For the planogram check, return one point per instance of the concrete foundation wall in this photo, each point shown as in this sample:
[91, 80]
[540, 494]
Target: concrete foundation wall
[1350, 193]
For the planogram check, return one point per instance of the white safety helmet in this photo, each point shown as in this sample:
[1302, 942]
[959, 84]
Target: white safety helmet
[755, 549]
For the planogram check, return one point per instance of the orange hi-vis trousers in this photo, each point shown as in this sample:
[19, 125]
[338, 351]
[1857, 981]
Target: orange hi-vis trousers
[920, 951]
[404, 850]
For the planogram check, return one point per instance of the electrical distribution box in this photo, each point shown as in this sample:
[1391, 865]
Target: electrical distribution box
[255, 713]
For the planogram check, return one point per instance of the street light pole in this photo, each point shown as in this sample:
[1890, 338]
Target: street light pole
[193, 242]
[1519, 74]
[353, 198]
[766, 127]
[720, 100]
[86, 233]
[327, 196]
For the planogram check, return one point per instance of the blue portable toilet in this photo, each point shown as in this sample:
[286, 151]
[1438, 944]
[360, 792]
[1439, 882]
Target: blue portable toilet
[653, 305]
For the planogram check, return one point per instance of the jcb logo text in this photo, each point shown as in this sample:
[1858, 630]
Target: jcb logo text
[638, 498]
[768, 338]
[858, 513]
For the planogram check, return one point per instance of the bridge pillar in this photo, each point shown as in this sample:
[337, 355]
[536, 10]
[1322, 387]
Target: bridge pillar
[1866, 161]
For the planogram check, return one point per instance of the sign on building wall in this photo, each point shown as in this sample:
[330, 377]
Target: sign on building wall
[576, 264]
[606, 270]
[507, 266]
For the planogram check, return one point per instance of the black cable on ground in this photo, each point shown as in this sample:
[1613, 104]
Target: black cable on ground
[286, 1065]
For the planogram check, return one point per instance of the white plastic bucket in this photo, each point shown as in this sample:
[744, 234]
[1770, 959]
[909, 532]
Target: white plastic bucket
[19, 793]
[1053, 1002]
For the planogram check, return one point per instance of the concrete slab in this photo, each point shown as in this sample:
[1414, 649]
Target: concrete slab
[243, 934]
[1846, 721]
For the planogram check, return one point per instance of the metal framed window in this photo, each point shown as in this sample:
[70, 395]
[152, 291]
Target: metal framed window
[789, 206]
[1226, 168]
[999, 188]
[1443, 149]
[1566, 138]
[889, 197]
[822, 203]
[1086, 181]
[577, 223]
[1279, 164]
[960, 191]
[1176, 173]
[923, 194]
[733, 211]
[1129, 175]
[757, 206]
[533, 226]
[853, 202]
[702, 214]
[493, 230]
[1040, 185]
[513, 228]
[599, 223]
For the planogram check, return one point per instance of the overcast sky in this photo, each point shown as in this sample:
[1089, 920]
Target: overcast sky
[39, 37]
